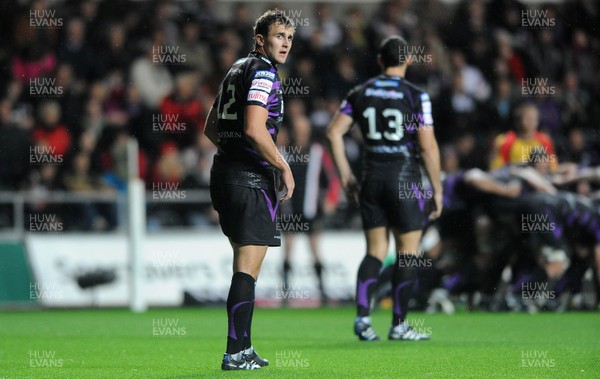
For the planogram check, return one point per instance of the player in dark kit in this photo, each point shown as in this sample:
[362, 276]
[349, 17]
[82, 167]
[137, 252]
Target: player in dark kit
[396, 123]
[243, 123]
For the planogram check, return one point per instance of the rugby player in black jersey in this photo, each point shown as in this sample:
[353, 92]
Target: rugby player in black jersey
[243, 123]
[396, 123]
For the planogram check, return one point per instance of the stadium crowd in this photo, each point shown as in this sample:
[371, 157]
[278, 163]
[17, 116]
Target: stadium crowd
[511, 85]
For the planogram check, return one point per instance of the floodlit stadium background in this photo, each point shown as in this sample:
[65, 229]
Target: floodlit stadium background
[80, 80]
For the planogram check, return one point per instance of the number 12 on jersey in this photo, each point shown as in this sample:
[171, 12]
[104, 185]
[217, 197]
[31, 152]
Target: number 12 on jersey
[395, 121]
[225, 115]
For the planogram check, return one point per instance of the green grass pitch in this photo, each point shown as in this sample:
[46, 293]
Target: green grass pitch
[302, 343]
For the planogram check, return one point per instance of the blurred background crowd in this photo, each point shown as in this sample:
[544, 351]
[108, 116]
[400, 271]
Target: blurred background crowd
[109, 81]
[96, 72]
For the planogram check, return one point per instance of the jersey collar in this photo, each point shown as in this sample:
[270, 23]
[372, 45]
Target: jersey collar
[392, 76]
[264, 58]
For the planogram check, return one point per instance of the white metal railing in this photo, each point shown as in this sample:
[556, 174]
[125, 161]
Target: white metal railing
[20, 199]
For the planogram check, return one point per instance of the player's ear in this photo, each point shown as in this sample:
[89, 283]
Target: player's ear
[259, 40]
[379, 61]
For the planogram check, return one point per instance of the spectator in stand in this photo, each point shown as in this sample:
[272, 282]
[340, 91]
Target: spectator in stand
[50, 132]
[13, 148]
[575, 102]
[516, 147]
[167, 176]
[473, 81]
[325, 33]
[181, 112]
[87, 215]
[546, 56]
[582, 59]
[77, 52]
[73, 91]
[578, 149]
[152, 80]
[507, 54]
[197, 53]
[117, 52]
[457, 108]
[502, 105]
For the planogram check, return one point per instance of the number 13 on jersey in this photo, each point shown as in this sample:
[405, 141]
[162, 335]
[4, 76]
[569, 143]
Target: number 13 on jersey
[395, 130]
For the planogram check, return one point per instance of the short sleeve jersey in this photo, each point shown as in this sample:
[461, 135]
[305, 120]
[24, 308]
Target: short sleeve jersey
[250, 81]
[390, 112]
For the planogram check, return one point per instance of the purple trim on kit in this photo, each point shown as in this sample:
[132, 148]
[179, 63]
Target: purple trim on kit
[397, 308]
[232, 333]
[347, 109]
[272, 211]
[419, 197]
[361, 297]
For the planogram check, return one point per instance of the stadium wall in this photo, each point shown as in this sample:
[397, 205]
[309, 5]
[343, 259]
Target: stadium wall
[71, 270]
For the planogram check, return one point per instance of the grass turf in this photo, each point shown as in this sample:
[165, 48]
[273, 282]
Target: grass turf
[314, 343]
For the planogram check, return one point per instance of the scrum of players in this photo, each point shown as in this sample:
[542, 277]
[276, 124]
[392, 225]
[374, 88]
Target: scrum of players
[519, 237]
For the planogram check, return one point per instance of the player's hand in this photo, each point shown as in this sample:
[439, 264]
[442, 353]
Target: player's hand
[286, 182]
[352, 189]
[436, 206]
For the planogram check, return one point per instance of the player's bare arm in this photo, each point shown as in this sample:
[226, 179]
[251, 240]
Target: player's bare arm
[534, 179]
[340, 125]
[257, 134]
[430, 154]
[485, 182]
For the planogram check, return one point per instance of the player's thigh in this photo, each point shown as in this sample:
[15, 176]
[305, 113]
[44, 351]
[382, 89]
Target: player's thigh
[405, 205]
[372, 205]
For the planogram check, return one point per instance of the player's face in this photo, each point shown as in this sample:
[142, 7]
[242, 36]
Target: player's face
[278, 43]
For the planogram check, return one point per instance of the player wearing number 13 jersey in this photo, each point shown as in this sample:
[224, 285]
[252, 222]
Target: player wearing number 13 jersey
[396, 123]
[243, 123]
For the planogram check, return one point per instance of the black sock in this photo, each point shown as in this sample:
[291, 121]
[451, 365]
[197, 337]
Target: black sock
[319, 271]
[366, 284]
[404, 277]
[239, 309]
[247, 335]
[286, 272]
